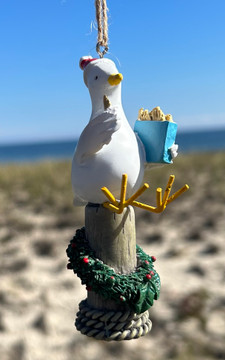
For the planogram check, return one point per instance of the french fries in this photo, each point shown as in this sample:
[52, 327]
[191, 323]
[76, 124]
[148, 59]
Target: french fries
[155, 114]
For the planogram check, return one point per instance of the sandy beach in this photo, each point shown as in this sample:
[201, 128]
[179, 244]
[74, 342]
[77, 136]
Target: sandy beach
[39, 297]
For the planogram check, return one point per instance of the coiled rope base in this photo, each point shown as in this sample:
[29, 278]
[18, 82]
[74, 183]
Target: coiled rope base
[111, 325]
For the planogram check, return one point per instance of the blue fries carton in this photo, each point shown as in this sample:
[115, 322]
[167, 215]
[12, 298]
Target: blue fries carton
[157, 137]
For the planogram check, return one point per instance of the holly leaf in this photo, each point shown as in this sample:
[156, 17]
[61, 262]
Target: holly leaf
[144, 299]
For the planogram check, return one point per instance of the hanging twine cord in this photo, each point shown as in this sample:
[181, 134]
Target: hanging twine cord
[102, 21]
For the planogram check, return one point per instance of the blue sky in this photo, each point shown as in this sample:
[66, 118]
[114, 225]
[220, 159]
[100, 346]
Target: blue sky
[170, 52]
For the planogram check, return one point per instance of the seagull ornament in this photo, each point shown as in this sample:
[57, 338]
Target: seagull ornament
[110, 159]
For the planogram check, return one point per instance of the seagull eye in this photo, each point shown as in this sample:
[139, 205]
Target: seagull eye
[96, 77]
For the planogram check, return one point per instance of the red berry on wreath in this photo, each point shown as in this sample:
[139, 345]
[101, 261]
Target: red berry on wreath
[148, 276]
[122, 298]
[147, 262]
[74, 245]
[86, 260]
[153, 258]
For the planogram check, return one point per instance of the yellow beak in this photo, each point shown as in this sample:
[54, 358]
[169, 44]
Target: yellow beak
[115, 79]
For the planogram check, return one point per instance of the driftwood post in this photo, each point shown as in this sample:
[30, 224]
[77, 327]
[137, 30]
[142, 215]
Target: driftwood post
[113, 238]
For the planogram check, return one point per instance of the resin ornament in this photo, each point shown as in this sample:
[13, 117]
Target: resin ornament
[107, 173]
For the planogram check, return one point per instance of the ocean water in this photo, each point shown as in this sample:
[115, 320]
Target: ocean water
[37, 151]
[198, 141]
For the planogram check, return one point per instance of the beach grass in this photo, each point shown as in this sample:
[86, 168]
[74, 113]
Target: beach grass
[43, 186]
[47, 185]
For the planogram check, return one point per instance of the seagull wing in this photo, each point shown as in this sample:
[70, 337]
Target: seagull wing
[96, 134]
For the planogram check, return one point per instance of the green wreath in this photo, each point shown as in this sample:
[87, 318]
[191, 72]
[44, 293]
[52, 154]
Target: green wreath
[137, 289]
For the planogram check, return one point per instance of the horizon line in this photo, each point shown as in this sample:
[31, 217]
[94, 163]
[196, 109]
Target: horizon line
[75, 139]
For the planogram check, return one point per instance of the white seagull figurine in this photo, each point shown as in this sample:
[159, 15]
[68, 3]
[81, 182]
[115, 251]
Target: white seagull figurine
[108, 146]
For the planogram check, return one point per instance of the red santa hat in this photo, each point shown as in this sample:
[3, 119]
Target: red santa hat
[85, 60]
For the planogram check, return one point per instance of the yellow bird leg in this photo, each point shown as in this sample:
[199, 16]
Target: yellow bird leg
[123, 192]
[137, 194]
[178, 193]
[159, 197]
[109, 196]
